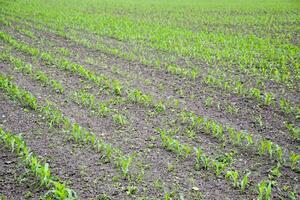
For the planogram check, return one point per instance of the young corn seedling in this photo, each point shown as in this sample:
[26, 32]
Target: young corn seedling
[218, 167]
[264, 190]
[255, 93]
[125, 163]
[262, 147]
[293, 130]
[160, 107]
[279, 153]
[61, 192]
[275, 171]
[108, 152]
[268, 98]
[285, 105]
[206, 162]
[45, 174]
[54, 115]
[217, 130]
[117, 87]
[120, 119]
[270, 148]
[249, 139]
[199, 153]
[57, 86]
[234, 177]
[76, 132]
[244, 182]
[138, 97]
[294, 159]
[103, 109]
[208, 102]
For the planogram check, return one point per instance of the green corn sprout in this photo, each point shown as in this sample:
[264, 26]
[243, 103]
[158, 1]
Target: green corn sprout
[61, 192]
[124, 163]
[234, 177]
[262, 147]
[108, 151]
[76, 132]
[218, 167]
[293, 130]
[160, 107]
[120, 119]
[206, 161]
[244, 182]
[239, 138]
[270, 148]
[45, 174]
[103, 109]
[265, 190]
[117, 87]
[199, 153]
[279, 152]
[138, 97]
[255, 93]
[249, 139]
[294, 159]
[268, 98]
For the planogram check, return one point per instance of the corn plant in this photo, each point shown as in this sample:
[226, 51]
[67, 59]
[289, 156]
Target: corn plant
[255, 93]
[294, 159]
[268, 98]
[76, 132]
[124, 163]
[103, 109]
[120, 119]
[55, 117]
[244, 182]
[61, 192]
[218, 167]
[137, 96]
[234, 177]
[264, 190]
[117, 87]
[206, 162]
[160, 107]
[293, 130]
[35, 74]
[199, 153]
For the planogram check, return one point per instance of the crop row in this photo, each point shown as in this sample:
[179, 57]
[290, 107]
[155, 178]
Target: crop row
[238, 180]
[27, 69]
[16, 144]
[228, 134]
[79, 134]
[101, 108]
